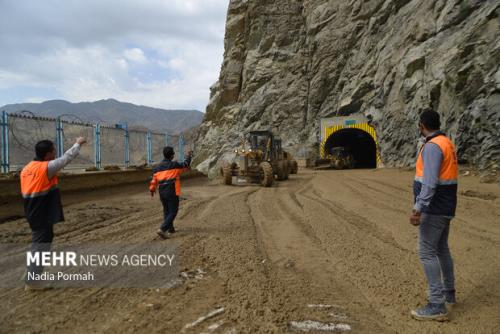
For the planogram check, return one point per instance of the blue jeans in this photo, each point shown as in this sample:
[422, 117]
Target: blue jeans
[435, 255]
[170, 209]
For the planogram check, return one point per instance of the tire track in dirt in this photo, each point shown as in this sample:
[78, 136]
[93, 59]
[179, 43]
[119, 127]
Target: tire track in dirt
[413, 292]
[477, 203]
[105, 231]
[371, 262]
[292, 247]
[463, 226]
[357, 187]
[293, 252]
[388, 185]
[252, 298]
[352, 218]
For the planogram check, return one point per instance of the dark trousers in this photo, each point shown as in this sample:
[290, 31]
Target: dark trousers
[170, 209]
[41, 241]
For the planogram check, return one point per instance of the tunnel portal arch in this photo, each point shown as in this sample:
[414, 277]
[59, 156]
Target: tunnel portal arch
[358, 142]
[354, 133]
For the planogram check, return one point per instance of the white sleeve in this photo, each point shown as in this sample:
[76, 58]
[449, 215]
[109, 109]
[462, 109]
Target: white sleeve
[59, 163]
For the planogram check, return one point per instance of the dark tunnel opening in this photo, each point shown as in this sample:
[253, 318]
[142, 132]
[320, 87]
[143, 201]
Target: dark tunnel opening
[358, 142]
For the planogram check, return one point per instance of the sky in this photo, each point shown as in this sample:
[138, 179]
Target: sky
[158, 53]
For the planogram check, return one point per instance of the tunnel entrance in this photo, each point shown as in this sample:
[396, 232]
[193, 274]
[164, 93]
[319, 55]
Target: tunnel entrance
[359, 143]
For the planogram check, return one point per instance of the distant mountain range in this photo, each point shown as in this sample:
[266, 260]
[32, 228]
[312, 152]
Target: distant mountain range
[114, 112]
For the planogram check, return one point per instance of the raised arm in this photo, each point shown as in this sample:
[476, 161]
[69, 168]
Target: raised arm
[187, 161]
[57, 164]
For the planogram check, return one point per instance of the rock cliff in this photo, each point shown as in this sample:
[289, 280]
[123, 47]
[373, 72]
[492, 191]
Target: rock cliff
[287, 63]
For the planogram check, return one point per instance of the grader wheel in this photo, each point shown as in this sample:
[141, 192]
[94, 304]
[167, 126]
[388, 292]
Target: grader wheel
[281, 173]
[287, 169]
[293, 166]
[337, 164]
[227, 175]
[266, 174]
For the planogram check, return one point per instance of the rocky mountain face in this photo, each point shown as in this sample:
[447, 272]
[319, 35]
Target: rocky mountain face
[112, 112]
[287, 63]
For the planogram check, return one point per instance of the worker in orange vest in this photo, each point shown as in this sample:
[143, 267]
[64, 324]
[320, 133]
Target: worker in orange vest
[167, 178]
[42, 201]
[435, 191]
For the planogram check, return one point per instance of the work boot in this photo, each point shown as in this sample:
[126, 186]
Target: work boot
[449, 296]
[161, 234]
[432, 311]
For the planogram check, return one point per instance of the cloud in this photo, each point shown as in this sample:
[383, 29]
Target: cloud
[135, 55]
[151, 52]
[35, 99]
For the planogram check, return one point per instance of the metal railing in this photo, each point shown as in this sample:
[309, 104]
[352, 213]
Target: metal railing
[107, 145]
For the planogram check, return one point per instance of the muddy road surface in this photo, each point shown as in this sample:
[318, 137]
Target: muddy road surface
[328, 251]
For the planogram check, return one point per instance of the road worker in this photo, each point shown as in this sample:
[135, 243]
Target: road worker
[166, 177]
[42, 200]
[435, 191]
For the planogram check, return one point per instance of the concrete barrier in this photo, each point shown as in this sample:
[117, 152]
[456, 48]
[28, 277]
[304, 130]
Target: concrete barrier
[10, 194]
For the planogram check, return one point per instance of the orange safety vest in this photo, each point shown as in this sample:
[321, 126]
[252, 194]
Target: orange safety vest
[34, 180]
[42, 201]
[167, 177]
[444, 201]
[448, 173]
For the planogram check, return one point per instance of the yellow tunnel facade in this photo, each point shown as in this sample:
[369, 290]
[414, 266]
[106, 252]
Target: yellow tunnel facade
[329, 129]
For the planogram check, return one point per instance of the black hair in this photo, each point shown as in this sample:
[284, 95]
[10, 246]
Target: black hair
[168, 152]
[42, 148]
[430, 119]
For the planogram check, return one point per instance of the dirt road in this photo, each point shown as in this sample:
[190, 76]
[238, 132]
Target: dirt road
[328, 246]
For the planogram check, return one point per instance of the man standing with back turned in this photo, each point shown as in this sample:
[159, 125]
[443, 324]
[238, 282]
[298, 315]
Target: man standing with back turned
[42, 200]
[435, 191]
[167, 178]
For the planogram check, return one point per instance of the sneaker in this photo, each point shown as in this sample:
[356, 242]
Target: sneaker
[161, 234]
[432, 311]
[172, 230]
[449, 296]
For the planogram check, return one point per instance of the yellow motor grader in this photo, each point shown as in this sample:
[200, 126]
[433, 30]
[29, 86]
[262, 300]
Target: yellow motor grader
[259, 160]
